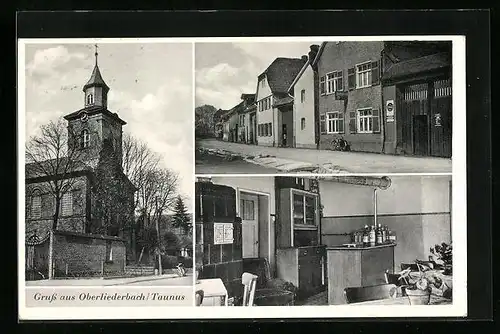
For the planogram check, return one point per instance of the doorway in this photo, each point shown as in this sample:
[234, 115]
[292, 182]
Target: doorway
[420, 135]
[284, 135]
[249, 212]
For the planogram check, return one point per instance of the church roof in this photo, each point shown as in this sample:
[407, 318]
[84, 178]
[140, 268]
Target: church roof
[41, 169]
[91, 110]
[96, 79]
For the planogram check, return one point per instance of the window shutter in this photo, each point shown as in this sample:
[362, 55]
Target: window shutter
[352, 122]
[322, 124]
[375, 73]
[270, 130]
[341, 80]
[341, 122]
[322, 86]
[376, 120]
[351, 78]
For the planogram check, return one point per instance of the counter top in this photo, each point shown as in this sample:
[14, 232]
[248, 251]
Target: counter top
[359, 248]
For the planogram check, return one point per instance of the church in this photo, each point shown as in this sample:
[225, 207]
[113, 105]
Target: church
[91, 232]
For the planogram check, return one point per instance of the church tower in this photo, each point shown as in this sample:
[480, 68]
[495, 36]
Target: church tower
[93, 125]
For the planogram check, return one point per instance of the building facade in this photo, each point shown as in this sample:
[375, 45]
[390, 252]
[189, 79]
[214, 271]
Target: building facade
[349, 96]
[274, 104]
[417, 98]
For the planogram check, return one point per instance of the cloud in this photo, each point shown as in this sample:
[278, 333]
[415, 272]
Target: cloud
[164, 120]
[48, 61]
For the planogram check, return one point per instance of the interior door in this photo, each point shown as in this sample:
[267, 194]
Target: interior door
[249, 212]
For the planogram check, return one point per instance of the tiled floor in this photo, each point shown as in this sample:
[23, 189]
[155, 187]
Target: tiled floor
[319, 299]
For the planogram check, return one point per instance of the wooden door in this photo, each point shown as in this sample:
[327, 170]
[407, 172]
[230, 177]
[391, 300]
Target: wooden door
[305, 274]
[249, 212]
[441, 122]
[420, 135]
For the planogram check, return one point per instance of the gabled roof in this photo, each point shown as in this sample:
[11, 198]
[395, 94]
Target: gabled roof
[297, 77]
[428, 63]
[92, 110]
[281, 73]
[282, 101]
[96, 79]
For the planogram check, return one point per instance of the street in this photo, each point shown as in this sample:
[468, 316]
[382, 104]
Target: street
[210, 164]
[164, 280]
[342, 162]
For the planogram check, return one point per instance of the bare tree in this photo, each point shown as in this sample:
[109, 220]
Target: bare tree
[54, 154]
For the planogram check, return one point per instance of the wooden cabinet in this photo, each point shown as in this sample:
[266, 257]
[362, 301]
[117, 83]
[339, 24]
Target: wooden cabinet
[298, 218]
[353, 267]
[300, 257]
[304, 267]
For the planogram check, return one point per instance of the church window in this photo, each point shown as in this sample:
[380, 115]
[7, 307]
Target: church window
[85, 138]
[90, 99]
[36, 205]
[78, 203]
[47, 204]
[67, 204]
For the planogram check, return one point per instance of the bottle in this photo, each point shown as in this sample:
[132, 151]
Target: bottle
[365, 239]
[384, 234]
[392, 237]
[379, 240]
[372, 236]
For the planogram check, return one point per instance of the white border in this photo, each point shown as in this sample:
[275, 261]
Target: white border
[459, 237]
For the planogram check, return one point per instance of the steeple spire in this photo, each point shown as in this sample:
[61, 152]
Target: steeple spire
[96, 54]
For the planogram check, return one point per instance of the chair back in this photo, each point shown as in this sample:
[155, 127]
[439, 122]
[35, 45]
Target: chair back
[249, 282]
[391, 278]
[199, 297]
[412, 266]
[367, 293]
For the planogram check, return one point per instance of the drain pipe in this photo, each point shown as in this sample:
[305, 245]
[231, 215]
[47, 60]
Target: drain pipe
[382, 110]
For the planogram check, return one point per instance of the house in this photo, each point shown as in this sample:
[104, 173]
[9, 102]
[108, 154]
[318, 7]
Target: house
[417, 95]
[247, 119]
[385, 97]
[350, 95]
[294, 222]
[303, 90]
[218, 124]
[81, 243]
[274, 104]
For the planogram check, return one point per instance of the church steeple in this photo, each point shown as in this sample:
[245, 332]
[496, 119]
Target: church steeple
[96, 90]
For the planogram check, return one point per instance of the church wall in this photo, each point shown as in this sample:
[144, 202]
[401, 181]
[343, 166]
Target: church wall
[75, 222]
[113, 130]
[87, 254]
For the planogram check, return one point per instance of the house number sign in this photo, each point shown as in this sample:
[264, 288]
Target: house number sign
[437, 120]
[389, 108]
[223, 233]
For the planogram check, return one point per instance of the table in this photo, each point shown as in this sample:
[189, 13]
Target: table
[435, 300]
[212, 288]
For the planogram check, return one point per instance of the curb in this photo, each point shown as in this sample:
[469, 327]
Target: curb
[147, 278]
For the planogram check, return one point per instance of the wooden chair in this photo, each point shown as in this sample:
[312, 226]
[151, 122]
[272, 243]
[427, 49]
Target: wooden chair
[199, 297]
[412, 266]
[367, 293]
[249, 282]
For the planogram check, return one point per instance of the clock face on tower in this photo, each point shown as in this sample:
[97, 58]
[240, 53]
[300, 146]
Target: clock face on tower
[83, 117]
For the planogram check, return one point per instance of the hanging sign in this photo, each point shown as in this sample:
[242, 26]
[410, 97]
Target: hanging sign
[437, 119]
[389, 110]
[223, 233]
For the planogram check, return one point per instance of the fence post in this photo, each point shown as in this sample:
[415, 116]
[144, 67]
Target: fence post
[66, 269]
[102, 268]
[51, 257]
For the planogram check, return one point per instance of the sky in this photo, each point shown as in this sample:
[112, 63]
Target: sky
[226, 70]
[150, 88]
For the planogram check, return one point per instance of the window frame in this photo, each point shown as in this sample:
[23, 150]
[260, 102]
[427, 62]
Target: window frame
[85, 137]
[368, 71]
[38, 195]
[302, 96]
[334, 120]
[359, 118]
[302, 123]
[90, 99]
[66, 197]
[335, 77]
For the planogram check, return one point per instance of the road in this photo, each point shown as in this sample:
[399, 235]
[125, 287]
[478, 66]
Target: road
[165, 280]
[208, 164]
[351, 162]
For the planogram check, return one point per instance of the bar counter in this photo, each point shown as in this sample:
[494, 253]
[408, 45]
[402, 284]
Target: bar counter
[356, 266]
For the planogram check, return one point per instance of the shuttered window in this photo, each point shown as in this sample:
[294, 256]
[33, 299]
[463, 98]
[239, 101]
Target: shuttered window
[375, 73]
[363, 75]
[335, 122]
[322, 124]
[36, 206]
[352, 122]
[368, 120]
[351, 78]
[67, 204]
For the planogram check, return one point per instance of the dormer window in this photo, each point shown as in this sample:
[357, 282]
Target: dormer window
[85, 139]
[90, 99]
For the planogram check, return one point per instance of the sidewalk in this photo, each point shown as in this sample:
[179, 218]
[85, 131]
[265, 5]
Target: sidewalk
[99, 281]
[293, 159]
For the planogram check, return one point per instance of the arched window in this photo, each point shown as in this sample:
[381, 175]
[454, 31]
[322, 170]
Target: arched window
[85, 138]
[90, 99]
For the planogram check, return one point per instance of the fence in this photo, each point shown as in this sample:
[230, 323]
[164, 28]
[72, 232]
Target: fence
[75, 269]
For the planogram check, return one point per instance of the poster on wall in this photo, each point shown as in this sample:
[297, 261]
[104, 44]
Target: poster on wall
[389, 108]
[223, 233]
